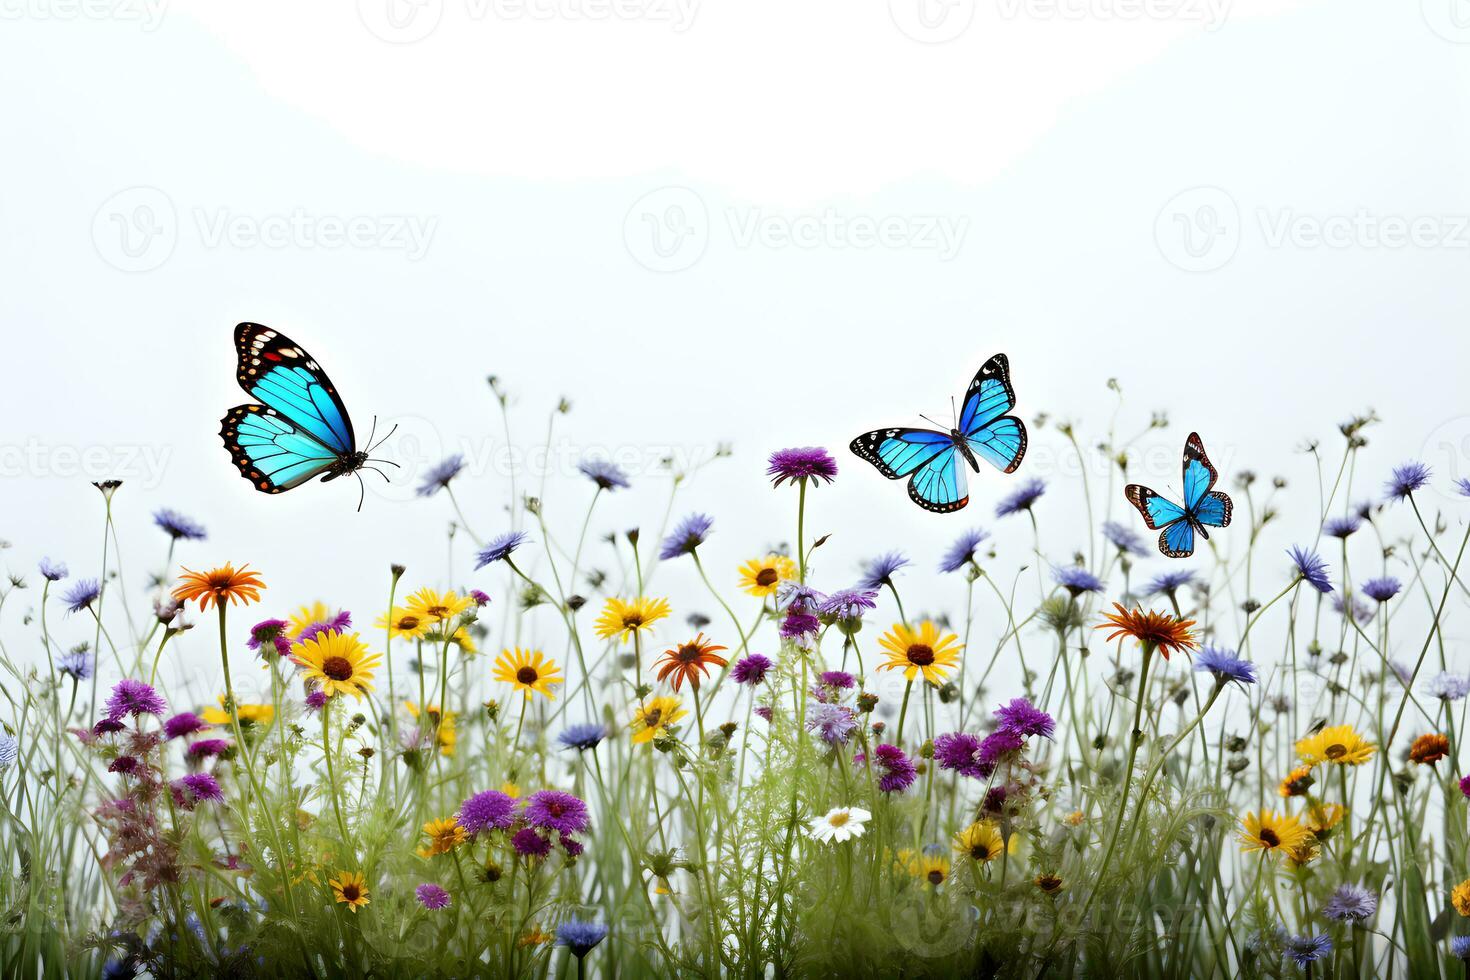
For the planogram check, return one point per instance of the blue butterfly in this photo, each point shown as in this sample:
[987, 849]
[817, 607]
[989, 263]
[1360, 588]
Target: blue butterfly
[931, 459]
[300, 429]
[1202, 505]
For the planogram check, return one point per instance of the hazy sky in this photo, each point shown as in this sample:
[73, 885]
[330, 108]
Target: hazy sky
[758, 223]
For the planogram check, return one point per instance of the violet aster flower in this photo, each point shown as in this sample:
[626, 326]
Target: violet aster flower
[955, 751]
[1344, 526]
[838, 679]
[196, 788]
[431, 896]
[1449, 687]
[1306, 950]
[751, 670]
[1022, 498]
[1460, 947]
[529, 843]
[271, 634]
[962, 552]
[177, 526]
[131, 698]
[207, 748]
[52, 571]
[1311, 568]
[552, 809]
[832, 723]
[481, 598]
[123, 764]
[81, 595]
[490, 810]
[337, 624]
[688, 535]
[438, 476]
[1381, 589]
[764, 712]
[1462, 486]
[316, 700]
[803, 598]
[500, 548]
[183, 723]
[1077, 580]
[580, 937]
[1024, 718]
[1351, 903]
[1406, 478]
[1168, 583]
[898, 769]
[604, 473]
[846, 608]
[812, 464]
[1125, 539]
[998, 745]
[800, 627]
[878, 572]
[1225, 666]
[108, 726]
[582, 737]
[76, 664]
[1465, 786]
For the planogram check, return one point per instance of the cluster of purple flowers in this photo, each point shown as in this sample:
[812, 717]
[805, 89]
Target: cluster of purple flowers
[977, 758]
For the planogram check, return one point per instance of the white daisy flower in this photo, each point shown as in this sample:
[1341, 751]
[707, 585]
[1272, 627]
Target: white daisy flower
[841, 823]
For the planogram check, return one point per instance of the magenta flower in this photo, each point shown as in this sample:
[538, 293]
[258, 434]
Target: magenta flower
[551, 809]
[807, 463]
[431, 896]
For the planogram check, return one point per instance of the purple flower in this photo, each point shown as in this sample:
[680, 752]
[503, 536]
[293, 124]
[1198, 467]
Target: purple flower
[1305, 950]
[196, 788]
[1406, 478]
[1351, 903]
[808, 463]
[1311, 568]
[273, 632]
[962, 552]
[1465, 786]
[800, 627]
[481, 598]
[689, 534]
[1125, 539]
[528, 843]
[124, 764]
[998, 745]
[52, 571]
[605, 474]
[751, 670]
[500, 549]
[1167, 583]
[438, 476]
[1462, 486]
[1077, 580]
[184, 723]
[1449, 687]
[108, 726]
[1381, 589]
[1022, 498]
[1225, 666]
[832, 723]
[1024, 718]
[431, 896]
[81, 595]
[207, 748]
[847, 606]
[489, 810]
[76, 664]
[898, 770]
[177, 526]
[316, 700]
[1344, 526]
[1460, 947]
[582, 737]
[955, 751]
[336, 624]
[131, 698]
[764, 713]
[552, 809]
[580, 937]
[879, 571]
[571, 845]
[802, 598]
[839, 679]
[1362, 612]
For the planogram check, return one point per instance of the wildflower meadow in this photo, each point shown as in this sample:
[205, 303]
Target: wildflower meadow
[595, 749]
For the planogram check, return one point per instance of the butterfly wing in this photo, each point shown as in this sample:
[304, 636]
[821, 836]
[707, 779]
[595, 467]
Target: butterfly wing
[1177, 540]
[270, 451]
[1162, 514]
[1205, 505]
[939, 485]
[280, 374]
[998, 438]
[937, 481]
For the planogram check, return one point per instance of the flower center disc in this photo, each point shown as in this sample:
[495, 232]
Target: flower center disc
[1336, 751]
[921, 655]
[1269, 838]
[527, 675]
[838, 819]
[766, 578]
[337, 668]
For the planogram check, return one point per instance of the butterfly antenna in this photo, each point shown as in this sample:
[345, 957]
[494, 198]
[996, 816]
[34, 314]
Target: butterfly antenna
[952, 413]
[929, 420]
[385, 462]
[361, 491]
[380, 472]
[386, 436]
[372, 433]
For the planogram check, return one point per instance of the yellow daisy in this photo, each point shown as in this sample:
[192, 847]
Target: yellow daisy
[1297, 782]
[534, 937]
[1339, 745]
[435, 607]
[339, 662]
[444, 836]
[305, 616]
[350, 889]
[922, 651]
[761, 577]
[1322, 817]
[402, 624]
[982, 842]
[1460, 897]
[528, 671]
[250, 714]
[1269, 832]
[934, 870]
[653, 716]
[624, 619]
[446, 736]
[510, 789]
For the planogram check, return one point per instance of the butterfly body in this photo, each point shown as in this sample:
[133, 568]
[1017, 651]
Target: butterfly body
[1204, 507]
[930, 458]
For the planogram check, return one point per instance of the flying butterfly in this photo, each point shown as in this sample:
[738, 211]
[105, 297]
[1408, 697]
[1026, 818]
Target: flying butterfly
[1202, 504]
[300, 429]
[932, 459]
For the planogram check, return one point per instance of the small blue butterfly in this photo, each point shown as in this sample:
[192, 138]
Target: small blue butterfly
[931, 459]
[1202, 505]
[300, 429]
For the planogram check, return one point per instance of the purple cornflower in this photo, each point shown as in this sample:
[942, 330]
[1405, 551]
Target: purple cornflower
[803, 598]
[604, 473]
[438, 476]
[962, 552]
[108, 726]
[582, 737]
[689, 534]
[955, 751]
[184, 723]
[1025, 718]
[337, 624]
[1168, 583]
[1460, 947]
[846, 607]
[1462, 486]
[898, 769]
[1465, 786]
[76, 664]
[1351, 903]
[1449, 687]
[751, 670]
[555, 810]
[52, 571]
[580, 937]
[431, 896]
[207, 748]
[316, 700]
[1225, 666]
[529, 843]
[489, 810]
[132, 698]
[1344, 526]
[273, 632]
[500, 549]
[1306, 950]
[808, 463]
[1381, 589]
[1406, 478]
[879, 571]
[177, 526]
[1077, 580]
[800, 627]
[1125, 539]
[832, 723]
[839, 680]
[81, 595]
[997, 745]
[481, 598]
[764, 714]
[124, 764]
[196, 788]
[1311, 568]
[1022, 498]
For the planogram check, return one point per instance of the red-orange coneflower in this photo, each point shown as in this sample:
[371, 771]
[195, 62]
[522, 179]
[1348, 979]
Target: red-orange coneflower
[1154, 630]
[219, 584]
[1429, 749]
[689, 661]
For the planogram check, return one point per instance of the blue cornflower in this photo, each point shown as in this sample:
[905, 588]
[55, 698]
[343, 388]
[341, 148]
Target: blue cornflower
[501, 548]
[579, 936]
[81, 595]
[1361, 611]
[1344, 526]
[1077, 580]
[1304, 950]
[1462, 486]
[1167, 583]
[1350, 903]
[962, 552]
[846, 608]
[1460, 947]
[52, 571]
[177, 526]
[1381, 589]
[9, 750]
[76, 664]
[688, 535]
[438, 476]
[880, 571]
[604, 473]
[832, 723]
[1406, 478]
[582, 737]
[1125, 539]
[1311, 568]
[1226, 666]
[1022, 498]
[1449, 687]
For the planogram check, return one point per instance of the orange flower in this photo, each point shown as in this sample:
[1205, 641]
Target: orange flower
[218, 584]
[690, 662]
[1429, 749]
[1154, 630]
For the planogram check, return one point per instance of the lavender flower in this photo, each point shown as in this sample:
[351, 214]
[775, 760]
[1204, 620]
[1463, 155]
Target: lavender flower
[500, 549]
[81, 595]
[1462, 486]
[1022, 498]
[832, 723]
[688, 535]
[177, 526]
[1449, 687]
[582, 737]
[803, 598]
[879, 571]
[1305, 950]
[1351, 903]
[1077, 580]
[431, 896]
[438, 476]
[604, 473]
[76, 664]
[1460, 945]
[52, 571]
[751, 670]
[580, 937]
[1024, 718]
[962, 552]
[196, 788]
[1361, 611]
[1225, 666]
[490, 810]
[1125, 539]
[1406, 478]
[131, 698]
[1311, 568]
[955, 751]
[1343, 527]
[315, 700]
[552, 809]
[1381, 589]
[846, 607]
[207, 748]
[812, 464]
[1168, 583]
